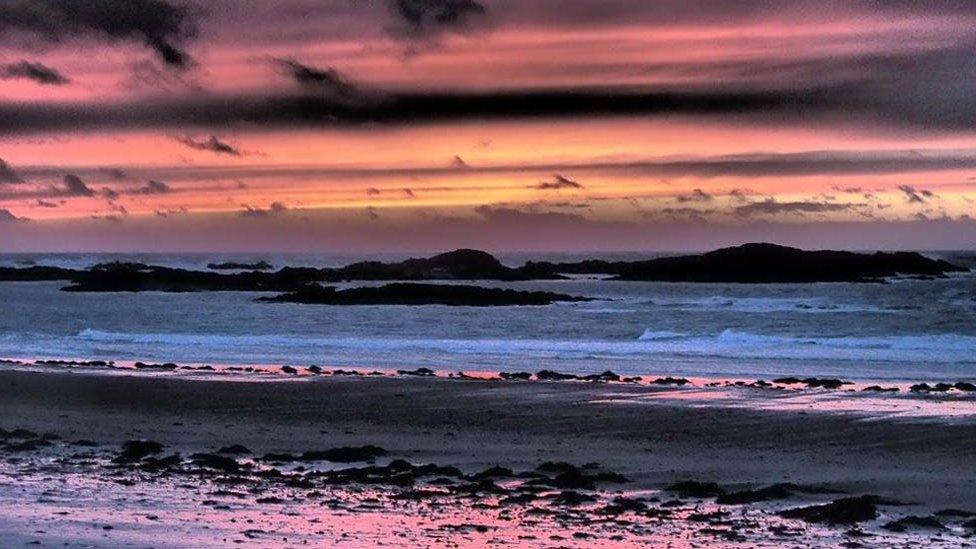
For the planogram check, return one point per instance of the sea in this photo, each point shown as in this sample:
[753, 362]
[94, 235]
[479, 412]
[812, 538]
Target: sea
[902, 330]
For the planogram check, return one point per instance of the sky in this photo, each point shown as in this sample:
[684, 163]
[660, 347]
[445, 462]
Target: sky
[424, 125]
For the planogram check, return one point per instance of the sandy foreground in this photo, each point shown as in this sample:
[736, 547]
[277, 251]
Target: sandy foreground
[66, 494]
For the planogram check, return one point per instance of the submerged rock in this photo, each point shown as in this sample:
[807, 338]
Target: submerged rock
[419, 294]
[695, 489]
[842, 511]
[880, 389]
[234, 449]
[419, 372]
[549, 375]
[134, 450]
[913, 522]
[812, 382]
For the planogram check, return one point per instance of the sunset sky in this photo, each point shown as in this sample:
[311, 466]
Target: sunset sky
[403, 125]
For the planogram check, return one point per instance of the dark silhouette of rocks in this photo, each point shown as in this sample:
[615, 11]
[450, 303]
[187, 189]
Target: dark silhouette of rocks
[36, 274]
[457, 265]
[696, 489]
[842, 511]
[232, 266]
[813, 382]
[912, 522]
[762, 263]
[418, 294]
[134, 450]
[749, 263]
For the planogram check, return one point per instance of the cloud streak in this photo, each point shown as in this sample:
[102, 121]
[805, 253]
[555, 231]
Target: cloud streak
[36, 72]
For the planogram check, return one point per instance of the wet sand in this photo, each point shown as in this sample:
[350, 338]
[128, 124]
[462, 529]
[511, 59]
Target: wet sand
[474, 424]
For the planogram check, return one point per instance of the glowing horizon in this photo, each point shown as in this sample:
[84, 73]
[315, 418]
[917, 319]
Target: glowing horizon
[615, 125]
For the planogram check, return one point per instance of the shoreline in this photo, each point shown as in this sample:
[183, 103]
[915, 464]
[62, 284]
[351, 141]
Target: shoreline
[473, 425]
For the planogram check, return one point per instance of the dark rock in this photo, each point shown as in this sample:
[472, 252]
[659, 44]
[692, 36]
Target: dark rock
[964, 386]
[912, 522]
[494, 472]
[572, 498]
[314, 370]
[145, 366]
[288, 370]
[954, 513]
[232, 266]
[214, 461]
[234, 449]
[773, 492]
[770, 263]
[842, 511]
[557, 467]
[36, 274]
[880, 389]
[812, 382]
[419, 372]
[273, 500]
[670, 381]
[926, 388]
[549, 375]
[134, 450]
[695, 489]
[402, 293]
[515, 375]
[605, 376]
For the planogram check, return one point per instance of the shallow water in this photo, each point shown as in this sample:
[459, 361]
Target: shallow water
[76, 497]
[906, 330]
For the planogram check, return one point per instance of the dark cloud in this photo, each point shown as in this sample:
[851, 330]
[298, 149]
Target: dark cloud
[159, 24]
[558, 182]
[214, 145]
[849, 190]
[425, 18]
[46, 204]
[838, 162]
[109, 193]
[115, 173]
[7, 217]
[458, 162]
[516, 217]
[328, 80]
[108, 218]
[74, 186]
[7, 174]
[915, 196]
[153, 187]
[275, 208]
[771, 207]
[403, 108]
[409, 192]
[372, 191]
[697, 195]
[33, 71]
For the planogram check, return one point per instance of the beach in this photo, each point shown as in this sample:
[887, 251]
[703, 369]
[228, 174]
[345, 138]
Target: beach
[473, 424]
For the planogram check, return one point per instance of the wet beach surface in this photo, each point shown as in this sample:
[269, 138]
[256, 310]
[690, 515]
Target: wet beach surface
[460, 461]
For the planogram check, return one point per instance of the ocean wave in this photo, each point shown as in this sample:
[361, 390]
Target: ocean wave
[737, 344]
[765, 305]
[922, 348]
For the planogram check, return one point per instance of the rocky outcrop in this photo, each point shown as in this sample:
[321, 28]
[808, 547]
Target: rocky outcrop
[232, 266]
[750, 263]
[418, 294]
[764, 263]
